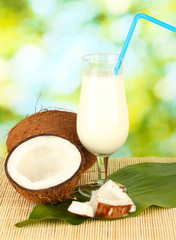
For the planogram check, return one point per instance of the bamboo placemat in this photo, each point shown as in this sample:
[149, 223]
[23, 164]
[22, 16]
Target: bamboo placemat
[155, 223]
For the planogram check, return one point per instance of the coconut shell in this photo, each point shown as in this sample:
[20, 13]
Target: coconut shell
[61, 123]
[49, 195]
[111, 212]
[52, 195]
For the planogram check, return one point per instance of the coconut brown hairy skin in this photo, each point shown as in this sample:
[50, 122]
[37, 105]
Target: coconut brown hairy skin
[52, 194]
[61, 123]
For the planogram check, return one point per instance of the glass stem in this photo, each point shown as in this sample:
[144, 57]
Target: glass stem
[102, 163]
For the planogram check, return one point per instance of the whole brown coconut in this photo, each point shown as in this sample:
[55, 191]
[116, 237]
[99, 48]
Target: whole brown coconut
[61, 123]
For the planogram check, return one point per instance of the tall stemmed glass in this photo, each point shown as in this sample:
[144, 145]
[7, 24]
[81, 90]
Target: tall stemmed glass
[102, 121]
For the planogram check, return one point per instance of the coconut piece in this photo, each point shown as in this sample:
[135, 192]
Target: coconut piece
[113, 193]
[93, 200]
[44, 168]
[108, 211]
[110, 201]
[84, 209]
[61, 123]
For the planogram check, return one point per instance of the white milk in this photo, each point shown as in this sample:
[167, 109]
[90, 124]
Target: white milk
[102, 121]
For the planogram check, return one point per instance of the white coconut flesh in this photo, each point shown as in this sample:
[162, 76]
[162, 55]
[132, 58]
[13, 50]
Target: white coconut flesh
[82, 208]
[111, 196]
[43, 162]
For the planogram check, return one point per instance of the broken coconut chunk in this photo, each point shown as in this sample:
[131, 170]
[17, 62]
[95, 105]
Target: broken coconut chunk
[108, 211]
[110, 201]
[82, 208]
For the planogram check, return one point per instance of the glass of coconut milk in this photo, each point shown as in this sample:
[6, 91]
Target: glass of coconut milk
[102, 121]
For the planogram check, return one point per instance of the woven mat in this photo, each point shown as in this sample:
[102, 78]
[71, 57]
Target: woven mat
[154, 223]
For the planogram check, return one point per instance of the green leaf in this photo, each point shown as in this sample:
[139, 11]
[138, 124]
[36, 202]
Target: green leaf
[56, 211]
[147, 183]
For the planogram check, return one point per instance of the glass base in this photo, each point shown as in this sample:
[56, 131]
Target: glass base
[86, 190]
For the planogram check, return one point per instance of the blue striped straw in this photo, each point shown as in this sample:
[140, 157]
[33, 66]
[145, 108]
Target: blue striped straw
[130, 33]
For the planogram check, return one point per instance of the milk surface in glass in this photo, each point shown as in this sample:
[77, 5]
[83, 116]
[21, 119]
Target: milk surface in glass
[102, 121]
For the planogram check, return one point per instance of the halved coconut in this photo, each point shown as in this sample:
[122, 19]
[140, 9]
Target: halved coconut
[110, 201]
[44, 168]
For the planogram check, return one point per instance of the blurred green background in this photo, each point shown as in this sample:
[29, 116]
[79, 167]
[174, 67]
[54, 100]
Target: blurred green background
[41, 44]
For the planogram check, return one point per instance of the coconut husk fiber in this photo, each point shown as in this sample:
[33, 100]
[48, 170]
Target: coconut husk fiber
[61, 123]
